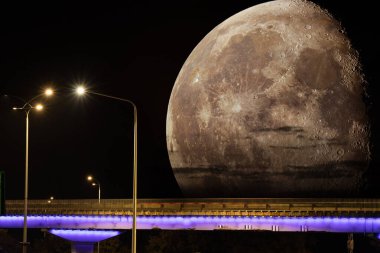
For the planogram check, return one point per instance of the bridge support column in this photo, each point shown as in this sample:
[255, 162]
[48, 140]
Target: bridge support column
[82, 247]
[82, 241]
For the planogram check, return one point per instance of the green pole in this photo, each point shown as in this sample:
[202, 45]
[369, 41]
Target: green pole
[2, 193]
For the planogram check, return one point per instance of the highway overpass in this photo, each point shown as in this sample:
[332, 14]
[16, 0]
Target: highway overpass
[87, 220]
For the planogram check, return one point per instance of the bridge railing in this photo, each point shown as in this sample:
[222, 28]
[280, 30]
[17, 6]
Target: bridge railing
[243, 207]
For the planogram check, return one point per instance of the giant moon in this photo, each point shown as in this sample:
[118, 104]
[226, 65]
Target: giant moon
[270, 104]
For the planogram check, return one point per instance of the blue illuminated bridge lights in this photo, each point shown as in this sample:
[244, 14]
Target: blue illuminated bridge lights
[169, 222]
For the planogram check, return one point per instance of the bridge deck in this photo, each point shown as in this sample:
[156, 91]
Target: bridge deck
[301, 207]
[298, 215]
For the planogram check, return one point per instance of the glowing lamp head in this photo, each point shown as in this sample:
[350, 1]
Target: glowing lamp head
[80, 90]
[39, 107]
[49, 92]
[93, 184]
[89, 178]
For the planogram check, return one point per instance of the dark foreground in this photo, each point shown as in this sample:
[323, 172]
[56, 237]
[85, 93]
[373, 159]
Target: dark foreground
[157, 241]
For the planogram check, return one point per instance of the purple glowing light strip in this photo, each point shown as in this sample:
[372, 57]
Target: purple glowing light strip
[84, 235]
[300, 224]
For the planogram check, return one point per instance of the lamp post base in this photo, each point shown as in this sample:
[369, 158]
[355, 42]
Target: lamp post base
[25, 246]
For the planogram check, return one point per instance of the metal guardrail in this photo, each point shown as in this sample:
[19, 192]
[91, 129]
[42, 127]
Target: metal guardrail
[227, 207]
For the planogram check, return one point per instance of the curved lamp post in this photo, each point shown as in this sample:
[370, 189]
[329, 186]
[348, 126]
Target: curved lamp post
[81, 90]
[27, 107]
[94, 182]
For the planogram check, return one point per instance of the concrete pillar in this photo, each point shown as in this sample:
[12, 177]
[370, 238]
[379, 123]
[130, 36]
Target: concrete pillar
[82, 247]
[82, 241]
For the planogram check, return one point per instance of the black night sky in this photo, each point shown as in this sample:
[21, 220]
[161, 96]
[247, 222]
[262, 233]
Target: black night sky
[134, 51]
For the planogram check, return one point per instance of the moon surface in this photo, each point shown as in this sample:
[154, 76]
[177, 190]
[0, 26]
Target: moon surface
[270, 104]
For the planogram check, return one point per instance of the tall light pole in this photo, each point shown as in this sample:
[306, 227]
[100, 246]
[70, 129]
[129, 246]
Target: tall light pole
[81, 90]
[27, 107]
[94, 182]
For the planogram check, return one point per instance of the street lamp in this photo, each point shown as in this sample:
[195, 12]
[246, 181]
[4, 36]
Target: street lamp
[27, 107]
[94, 182]
[80, 91]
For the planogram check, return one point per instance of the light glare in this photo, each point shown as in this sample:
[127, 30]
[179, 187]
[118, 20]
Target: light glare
[80, 90]
[49, 92]
[89, 178]
[39, 107]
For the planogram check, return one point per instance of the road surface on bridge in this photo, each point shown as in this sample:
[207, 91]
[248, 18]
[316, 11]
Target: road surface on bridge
[290, 207]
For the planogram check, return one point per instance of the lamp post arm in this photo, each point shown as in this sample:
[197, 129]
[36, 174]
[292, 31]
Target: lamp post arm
[134, 198]
[17, 97]
[31, 100]
[113, 97]
[34, 98]
[27, 103]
